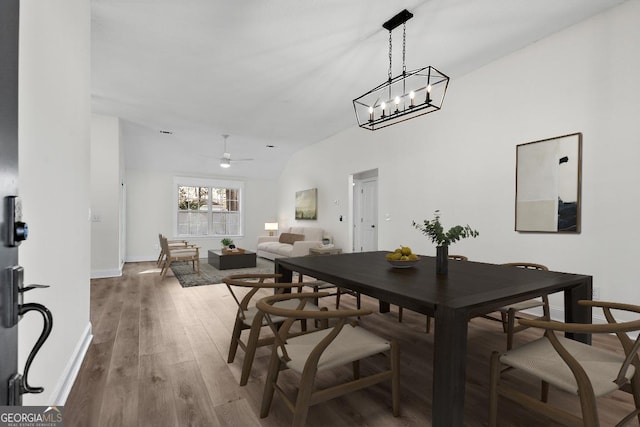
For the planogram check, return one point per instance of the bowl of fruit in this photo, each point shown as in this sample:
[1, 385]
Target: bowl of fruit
[402, 258]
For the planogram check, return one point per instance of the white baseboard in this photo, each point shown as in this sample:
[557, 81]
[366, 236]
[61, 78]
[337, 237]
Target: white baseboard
[68, 377]
[142, 258]
[103, 274]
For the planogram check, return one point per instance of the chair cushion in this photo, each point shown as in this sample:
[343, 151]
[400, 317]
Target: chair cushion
[319, 285]
[352, 343]
[289, 238]
[539, 358]
[183, 253]
[291, 304]
[177, 245]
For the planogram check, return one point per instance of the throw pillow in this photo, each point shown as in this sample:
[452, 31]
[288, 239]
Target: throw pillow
[290, 238]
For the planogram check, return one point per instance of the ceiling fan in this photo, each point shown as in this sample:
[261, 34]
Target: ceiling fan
[225, 160]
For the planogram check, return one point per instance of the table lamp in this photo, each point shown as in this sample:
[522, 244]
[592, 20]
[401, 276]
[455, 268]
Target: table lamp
[271, 227]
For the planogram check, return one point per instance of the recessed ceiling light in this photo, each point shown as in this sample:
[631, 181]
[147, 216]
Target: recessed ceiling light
[166, 132]
[271, 146]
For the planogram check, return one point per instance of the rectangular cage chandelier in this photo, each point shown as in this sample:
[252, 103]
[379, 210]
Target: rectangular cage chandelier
[406, 96]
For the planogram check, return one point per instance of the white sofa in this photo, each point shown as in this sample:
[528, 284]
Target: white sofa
[272, 247]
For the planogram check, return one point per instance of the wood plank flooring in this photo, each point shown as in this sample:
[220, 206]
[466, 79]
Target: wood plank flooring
[158, 358]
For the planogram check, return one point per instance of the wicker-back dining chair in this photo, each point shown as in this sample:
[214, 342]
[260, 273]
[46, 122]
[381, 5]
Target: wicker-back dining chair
[572, 367]
[246, 290]
[344, 343]
[510, 313]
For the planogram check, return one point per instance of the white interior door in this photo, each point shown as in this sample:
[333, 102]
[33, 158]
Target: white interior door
[365, 214]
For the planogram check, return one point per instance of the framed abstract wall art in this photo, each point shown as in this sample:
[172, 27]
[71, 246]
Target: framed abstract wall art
[548, 185]
[307, 204]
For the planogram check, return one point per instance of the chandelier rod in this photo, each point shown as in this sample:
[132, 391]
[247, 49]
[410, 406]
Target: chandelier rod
[404, 47]
[390, 56]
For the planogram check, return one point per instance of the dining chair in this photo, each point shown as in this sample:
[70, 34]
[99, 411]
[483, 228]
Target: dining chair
[572, 367]
[428, 325]
[319, 285]
[171, 255]
[246, 291]
[341, 344]
[510, 313]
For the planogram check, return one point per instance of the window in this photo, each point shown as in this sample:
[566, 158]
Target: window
[208, 207]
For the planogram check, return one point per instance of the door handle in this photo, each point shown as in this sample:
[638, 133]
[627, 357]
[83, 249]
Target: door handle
[19, 384]
[46, 330]
[30, 287]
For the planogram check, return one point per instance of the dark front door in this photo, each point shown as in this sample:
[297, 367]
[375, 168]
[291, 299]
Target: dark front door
[8, 190]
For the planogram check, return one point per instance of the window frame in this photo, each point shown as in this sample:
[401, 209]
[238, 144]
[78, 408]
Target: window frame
[182, 181]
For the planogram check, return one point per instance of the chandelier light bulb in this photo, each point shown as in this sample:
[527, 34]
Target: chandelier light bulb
[412, 96]
[371, 113]
[383, 105]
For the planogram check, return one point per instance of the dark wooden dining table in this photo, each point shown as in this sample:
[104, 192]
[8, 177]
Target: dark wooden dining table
[470, 289]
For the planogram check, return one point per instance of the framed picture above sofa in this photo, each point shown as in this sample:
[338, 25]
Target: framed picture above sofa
[307, 204]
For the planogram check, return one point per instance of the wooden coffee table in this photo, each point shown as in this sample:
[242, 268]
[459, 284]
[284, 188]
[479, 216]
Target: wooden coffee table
[222, 261]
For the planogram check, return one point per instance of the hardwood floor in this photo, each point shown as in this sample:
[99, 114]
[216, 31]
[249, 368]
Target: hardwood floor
[158, 358]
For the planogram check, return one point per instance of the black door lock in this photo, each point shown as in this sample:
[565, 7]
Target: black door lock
[16, 230]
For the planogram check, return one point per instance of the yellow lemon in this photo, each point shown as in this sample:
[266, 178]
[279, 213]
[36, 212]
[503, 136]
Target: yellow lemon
[413, 257]
[406, 250]
[398, 251]
[396, 256]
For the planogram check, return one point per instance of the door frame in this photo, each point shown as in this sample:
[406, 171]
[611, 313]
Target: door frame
[355, 196]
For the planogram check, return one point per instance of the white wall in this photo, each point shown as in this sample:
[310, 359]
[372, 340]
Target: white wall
[461, 160]
[150, 210]
[54, 123]
[105, 196]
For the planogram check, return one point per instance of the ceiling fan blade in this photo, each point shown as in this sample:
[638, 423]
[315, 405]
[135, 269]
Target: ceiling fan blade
[226, 160]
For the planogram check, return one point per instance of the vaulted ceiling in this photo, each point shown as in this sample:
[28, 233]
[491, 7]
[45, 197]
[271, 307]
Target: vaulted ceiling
[281, 72]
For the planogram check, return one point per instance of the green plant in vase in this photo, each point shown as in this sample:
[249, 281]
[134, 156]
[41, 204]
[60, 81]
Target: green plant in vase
[435, 231]
[226, 242]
